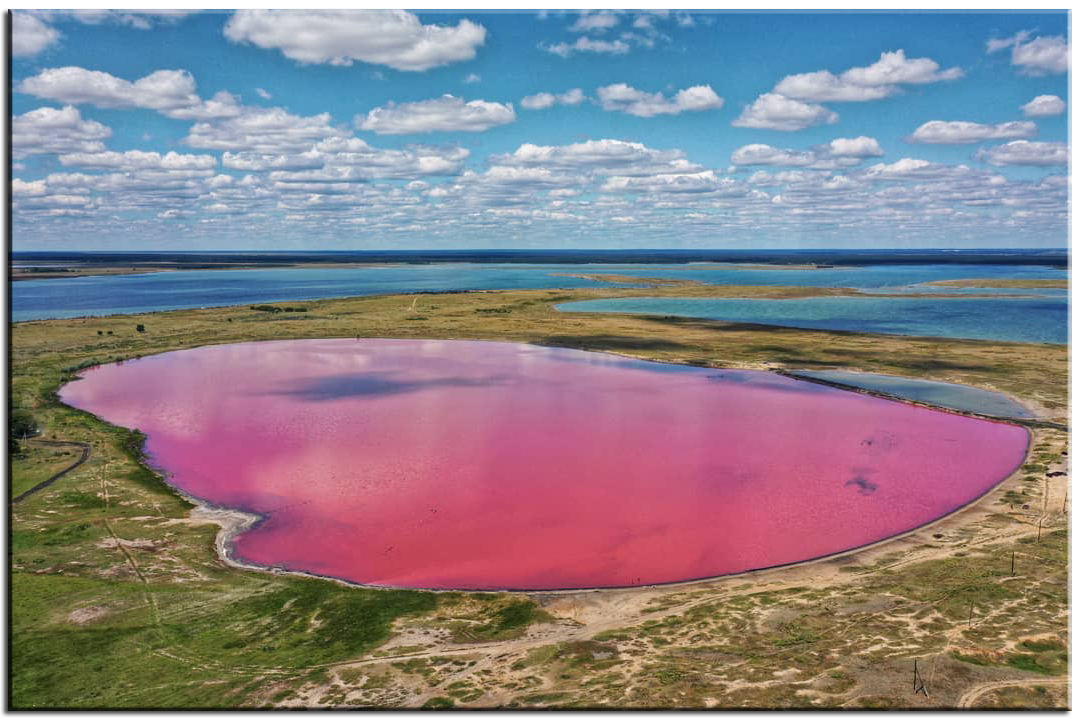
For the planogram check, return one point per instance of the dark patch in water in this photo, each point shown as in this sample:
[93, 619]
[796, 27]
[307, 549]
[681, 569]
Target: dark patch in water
[372, 384]
[865, 486]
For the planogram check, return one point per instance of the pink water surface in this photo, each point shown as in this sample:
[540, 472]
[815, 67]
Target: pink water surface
[454, 464]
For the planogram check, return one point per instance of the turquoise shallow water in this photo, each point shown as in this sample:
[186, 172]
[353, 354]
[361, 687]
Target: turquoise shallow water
[1029, 316]
[949, 395]
[1015, 319]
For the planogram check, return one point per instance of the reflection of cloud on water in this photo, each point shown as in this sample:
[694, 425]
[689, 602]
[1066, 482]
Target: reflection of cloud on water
[605, 359]
[769, 381]
[371, 384]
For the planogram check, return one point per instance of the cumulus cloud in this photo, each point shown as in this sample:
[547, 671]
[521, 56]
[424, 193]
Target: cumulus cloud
[394, 38]
[1024, 152]
[139, 160]
[351, 159]
[760, 154]
[620, 97]
[48, 130]
[941, 132]
[263, 93]
[505, 186]
[21, 187]
[857, 147]
[541, 101]
[260, 162]
[1044, 106]
[29, 35]
[840, 152]
[895, 68]
[587, 45]
[263, 130]
[915, 168]
[605, 157]
[471, 79]
[705, 181]
[31, 32]
[1034, 56]
[823, 86]
[773, 111]
[861, 84]
[169, 92]
[444, 114]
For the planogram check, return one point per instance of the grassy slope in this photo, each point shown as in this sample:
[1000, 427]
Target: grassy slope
[119, 598]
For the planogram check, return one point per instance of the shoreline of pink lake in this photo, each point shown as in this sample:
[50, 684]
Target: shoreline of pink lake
[473, 465]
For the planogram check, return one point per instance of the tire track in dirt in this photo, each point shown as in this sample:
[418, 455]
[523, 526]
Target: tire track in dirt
[46, 483]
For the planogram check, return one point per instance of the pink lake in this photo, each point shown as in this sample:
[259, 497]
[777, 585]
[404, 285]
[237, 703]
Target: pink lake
[481, 465]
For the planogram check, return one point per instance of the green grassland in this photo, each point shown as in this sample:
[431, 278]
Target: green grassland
[119, 598]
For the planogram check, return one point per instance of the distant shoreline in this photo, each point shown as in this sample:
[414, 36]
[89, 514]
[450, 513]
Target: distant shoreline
[154, 261]
[43, 271]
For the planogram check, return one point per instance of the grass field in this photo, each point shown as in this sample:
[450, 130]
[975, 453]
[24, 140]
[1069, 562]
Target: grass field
[119, 598]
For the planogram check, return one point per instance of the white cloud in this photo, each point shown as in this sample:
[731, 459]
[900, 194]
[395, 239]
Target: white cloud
[504, 185]
[1024, 152]
[170, 92]
[259, 162]
[139, 19]
[1044, 106]
[838, 153]
[595, 22]
[941, 132]
[587, 45]
[263, 130]
[620, 97]
[394, 38]
[772, 111]
[861, 84]
[139, 160]
[29, 35]
[823, 86]
[444, 114]
[904, 166]
[263, 93]
[421, 160]
[995, 44]
[23, 188]
[1038, 56]
[48, 130]
[604, 157]
[543, 100]
[857, 147]
[895, 68]
[916, 168]
[471, 79]
[705, 181]
[759, 154]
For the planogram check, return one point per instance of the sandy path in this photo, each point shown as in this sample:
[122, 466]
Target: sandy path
[967, 700]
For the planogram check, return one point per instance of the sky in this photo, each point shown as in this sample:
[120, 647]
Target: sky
[275, 130]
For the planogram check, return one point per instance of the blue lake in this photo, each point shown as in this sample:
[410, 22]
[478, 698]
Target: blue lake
[1020, 318]
[941, 394]
[1016, 319]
